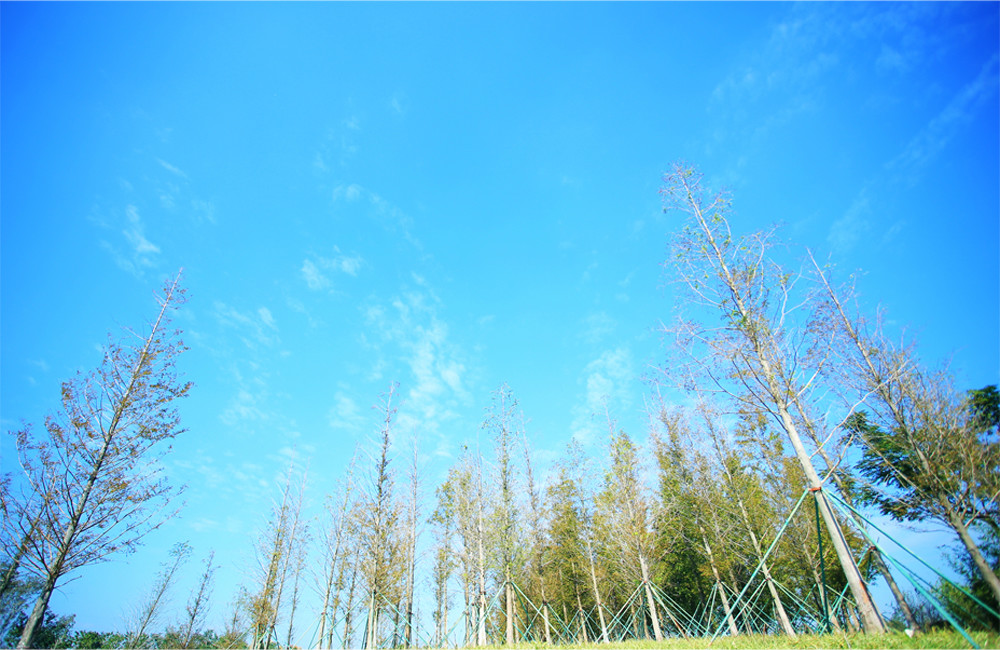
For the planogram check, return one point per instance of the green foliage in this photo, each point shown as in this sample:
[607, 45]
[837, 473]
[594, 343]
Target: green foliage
[53, 631]
[895, 462]
[89, 640]
[965, 610]
[18, 592]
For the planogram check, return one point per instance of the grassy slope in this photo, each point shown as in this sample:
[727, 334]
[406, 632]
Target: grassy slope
[936, 639]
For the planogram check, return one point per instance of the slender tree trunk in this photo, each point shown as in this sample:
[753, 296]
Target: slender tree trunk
[779, 608]
[764, 348]
[509, 608]
[370, 632]
[880, 564]
[583, 618]
[718, 582]
[597, 592]
[852, 619]
[657, 633]
[545, 616]
[481, 619]
[56, 569]
[821, 592]
[349, 613]
[958, 525]
[869, 614]
[41, 604]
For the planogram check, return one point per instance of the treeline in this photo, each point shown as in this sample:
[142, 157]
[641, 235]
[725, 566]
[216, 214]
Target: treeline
[782, 419]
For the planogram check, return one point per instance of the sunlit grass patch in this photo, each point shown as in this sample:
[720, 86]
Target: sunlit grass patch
[935, 639]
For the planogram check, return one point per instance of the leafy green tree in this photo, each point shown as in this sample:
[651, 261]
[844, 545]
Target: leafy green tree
[90, 640]
[18, 591]
[628, 514]
[938, 458]
[442, 522]
[681, 569]
[564, 553]
[53, 631]
[963, 608]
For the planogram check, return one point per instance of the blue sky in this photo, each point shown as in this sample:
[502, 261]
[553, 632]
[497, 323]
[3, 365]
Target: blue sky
[452, 196]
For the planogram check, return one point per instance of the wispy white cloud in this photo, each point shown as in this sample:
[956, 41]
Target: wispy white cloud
[392, 218]
[254, 329]
[846, 231]
[398, 103]
[912, 163]
[924, 147]
[244, 407]
[596, 326]
[141, 254]
[314, 278]
[314, 270]
[410, 329]
[795, 68]
[607, 388]
[170, 168]
[345, 414]
[203, 210]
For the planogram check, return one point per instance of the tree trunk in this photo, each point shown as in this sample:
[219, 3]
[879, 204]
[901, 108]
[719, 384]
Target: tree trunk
[657, 633]
[38, 612]
[866, 606]
[880, 564]
[509, 609]
[718, 583]
[371, 637]
[597, 593]
[970, 545]
[545, 618]
[67, 540]
[583, 619]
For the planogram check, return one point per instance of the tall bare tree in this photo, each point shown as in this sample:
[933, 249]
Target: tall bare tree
[379, 526]
[339, 533]
[196, 610]
[501, 422]
[149, 612]
[766, 351]
[926, 439]
[96, 463]
[412, 532]
[277, 557]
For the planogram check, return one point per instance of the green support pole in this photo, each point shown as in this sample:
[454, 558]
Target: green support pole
[822, 564]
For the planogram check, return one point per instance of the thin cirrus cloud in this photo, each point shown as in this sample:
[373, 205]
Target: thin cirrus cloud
[920, 152]
[943, 128]
[409, 329]
[607, 383]
[316, 270]
[140, 254]
[255, 329]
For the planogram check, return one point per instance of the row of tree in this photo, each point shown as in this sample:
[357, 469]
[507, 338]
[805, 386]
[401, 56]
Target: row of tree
[780, 418]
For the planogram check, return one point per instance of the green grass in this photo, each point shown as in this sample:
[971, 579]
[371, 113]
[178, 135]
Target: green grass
[934, 639]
